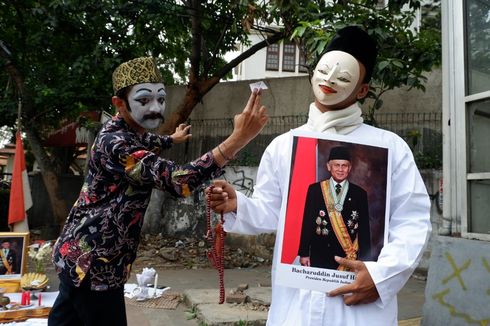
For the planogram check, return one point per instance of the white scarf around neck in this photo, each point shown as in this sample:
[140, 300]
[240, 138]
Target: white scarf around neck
[338, 121]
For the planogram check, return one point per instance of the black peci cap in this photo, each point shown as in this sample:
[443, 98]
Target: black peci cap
[339, 153]
[359, 44]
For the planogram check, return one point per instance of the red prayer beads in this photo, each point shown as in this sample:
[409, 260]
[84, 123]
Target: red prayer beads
[216, 239]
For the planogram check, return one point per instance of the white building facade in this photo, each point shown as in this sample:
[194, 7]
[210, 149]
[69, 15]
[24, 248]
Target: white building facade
[282, 59]
[285, 58]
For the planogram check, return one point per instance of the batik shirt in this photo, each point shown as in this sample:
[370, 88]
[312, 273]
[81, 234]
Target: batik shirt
[102, 232]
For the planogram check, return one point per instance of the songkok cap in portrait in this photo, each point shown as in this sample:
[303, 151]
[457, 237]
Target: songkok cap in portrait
[339, 153]
[359, 44]
[136, 71]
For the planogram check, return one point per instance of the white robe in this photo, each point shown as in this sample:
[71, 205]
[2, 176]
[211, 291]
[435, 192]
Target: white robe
[409, 229]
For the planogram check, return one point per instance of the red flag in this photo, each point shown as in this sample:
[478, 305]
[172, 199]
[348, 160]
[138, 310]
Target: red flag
[20, 191]
[302, 175]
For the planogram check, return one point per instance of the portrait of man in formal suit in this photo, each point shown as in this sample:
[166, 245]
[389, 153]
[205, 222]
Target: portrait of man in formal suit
[336, 206]
[8, 259]
[13, 254]
[336, 217]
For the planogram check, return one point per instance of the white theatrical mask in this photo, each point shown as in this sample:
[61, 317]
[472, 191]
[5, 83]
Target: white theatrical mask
[147, 104]
[335, 77]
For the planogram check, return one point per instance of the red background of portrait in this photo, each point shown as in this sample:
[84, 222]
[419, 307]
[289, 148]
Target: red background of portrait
[303, 173]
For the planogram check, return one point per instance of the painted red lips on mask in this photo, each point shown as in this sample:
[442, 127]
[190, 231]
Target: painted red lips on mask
[327, 90]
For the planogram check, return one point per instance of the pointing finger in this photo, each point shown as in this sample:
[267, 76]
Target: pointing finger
[349, 288]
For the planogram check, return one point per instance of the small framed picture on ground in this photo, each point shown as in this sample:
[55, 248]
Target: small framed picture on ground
[336, 205]
[13, 254]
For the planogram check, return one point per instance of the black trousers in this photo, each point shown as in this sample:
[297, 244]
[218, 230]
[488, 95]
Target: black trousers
[81, 306]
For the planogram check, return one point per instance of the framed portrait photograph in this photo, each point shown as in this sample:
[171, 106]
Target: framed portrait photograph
[13, 254]
[336, 205]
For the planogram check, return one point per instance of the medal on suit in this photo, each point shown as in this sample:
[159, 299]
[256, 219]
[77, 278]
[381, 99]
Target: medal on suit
[339, 199]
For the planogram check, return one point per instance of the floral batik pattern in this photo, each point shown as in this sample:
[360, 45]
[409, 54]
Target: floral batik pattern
[102, 232]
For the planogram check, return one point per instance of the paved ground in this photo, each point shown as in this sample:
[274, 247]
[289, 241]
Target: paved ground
[192, 282]
[201, 291]
[194, 279]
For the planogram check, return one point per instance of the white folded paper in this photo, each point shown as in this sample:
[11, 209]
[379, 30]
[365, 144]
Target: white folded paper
[258, 85]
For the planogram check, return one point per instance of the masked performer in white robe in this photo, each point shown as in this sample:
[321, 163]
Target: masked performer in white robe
[340, 79]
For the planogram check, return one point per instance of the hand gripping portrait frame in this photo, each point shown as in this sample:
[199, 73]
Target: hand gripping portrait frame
[371, 171]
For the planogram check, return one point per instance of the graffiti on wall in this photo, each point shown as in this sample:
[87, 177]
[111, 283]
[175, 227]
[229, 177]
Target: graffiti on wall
[436, 197]
[242, 182]
[457, 273]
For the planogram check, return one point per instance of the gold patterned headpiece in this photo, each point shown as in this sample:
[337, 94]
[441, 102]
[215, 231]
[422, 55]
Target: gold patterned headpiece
[136, 71]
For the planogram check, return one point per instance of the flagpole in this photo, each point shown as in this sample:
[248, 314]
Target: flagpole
[19, 112]
[20, 194]
[17, 134]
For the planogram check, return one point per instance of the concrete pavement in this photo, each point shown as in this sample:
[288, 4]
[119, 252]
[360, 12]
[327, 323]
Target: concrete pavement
[190, 281]
[201, 291]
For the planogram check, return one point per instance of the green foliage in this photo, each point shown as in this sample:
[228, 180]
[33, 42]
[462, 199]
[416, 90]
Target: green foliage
[428, 160]
[67, 50]
[428, 156]
[191, 313]
[413, 137]
[246, 158]
[404, 54]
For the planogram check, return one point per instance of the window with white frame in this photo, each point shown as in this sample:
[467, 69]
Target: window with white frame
[477, 100]
[282, 57]
[467, 108]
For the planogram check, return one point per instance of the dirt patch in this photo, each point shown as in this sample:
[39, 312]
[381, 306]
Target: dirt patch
[191, 253]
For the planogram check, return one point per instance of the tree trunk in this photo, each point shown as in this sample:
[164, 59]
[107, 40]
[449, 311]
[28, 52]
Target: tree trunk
[58, 204]
[196, 89]
[184, 110]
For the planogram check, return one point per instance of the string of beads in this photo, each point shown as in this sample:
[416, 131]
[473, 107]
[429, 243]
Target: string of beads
[216, 240]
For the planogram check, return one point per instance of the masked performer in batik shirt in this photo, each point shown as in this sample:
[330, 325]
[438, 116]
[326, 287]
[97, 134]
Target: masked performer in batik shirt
[98, 244]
